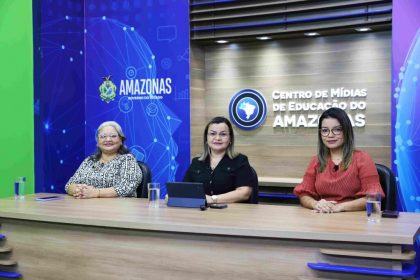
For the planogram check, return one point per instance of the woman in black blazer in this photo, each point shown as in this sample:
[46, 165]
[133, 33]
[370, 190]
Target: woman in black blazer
[226, 175]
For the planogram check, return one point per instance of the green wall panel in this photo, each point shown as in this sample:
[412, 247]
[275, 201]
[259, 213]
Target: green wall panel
[16, 95]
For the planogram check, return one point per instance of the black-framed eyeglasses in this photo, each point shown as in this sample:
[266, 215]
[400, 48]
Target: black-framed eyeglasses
[326, 131]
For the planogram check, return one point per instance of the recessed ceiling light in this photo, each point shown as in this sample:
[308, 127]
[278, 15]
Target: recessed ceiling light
[311, 34]
[264, 38]
[363, 29]
[222, 41]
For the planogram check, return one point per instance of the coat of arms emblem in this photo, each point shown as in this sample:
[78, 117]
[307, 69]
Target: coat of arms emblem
[108, 89]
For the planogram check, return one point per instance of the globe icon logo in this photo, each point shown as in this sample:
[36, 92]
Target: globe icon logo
[247, 109]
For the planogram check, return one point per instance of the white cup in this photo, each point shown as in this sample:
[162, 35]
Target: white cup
[373, 207]
[153, 194]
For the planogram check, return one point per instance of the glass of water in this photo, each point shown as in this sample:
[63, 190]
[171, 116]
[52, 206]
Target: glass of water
[153, 194]
[373, 207]
[20, 183]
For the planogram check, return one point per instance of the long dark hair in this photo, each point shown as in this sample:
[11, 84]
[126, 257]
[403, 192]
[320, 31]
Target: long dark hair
[348, 136]
[230, 149]
[122, 150]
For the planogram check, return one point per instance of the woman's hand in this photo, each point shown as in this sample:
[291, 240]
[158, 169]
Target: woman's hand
[325, 206]
[77, 190]
[338, 207]
[90, 192]
[85, 191]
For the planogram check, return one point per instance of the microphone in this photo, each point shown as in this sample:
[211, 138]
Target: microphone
[336, 168]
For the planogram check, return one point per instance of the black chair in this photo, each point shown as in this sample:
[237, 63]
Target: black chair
[254, 195]
[389, 186]
[147, 178]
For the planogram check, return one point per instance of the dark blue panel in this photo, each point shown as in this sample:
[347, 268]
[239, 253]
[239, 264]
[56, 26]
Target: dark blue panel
[407, 271]
[276, 195]
[7, 274]
[186, 202]
[59, 92]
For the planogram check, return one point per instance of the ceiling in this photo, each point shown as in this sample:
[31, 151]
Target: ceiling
[245, 20]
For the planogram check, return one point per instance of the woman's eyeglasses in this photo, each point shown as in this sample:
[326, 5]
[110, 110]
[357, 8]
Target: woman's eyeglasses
[326, 131]
[105, 136]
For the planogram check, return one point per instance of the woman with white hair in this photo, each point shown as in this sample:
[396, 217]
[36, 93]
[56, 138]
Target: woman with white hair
[111, 172]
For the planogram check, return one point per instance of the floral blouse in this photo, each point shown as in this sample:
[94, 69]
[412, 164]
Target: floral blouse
[121, 173]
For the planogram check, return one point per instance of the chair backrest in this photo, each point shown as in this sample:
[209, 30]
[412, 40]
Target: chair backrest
[389, 186]
[254, 195]
[147, 178]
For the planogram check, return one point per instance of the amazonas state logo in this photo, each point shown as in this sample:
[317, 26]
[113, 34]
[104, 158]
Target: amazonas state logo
[248, 109]
[108, 89]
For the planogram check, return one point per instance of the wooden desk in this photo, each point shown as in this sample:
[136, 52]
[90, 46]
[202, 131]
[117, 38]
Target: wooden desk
[122, 238]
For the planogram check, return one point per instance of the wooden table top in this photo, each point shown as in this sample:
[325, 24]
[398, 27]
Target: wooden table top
[248, 220]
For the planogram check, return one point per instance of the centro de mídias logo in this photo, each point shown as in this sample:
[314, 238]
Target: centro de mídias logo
[248, 109]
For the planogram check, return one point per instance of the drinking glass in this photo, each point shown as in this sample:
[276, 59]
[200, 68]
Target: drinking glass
[20, 183]
[153, 194]
[373, 207]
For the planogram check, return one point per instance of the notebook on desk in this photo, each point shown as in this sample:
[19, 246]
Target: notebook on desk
[185, 194]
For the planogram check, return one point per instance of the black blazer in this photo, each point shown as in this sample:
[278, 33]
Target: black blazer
[227, 176]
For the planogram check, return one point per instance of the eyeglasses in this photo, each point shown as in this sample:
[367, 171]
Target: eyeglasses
[326, 131]
[104, 136]
[221, 134]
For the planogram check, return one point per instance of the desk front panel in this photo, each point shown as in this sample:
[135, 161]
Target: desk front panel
[123, 238]
[59, 251]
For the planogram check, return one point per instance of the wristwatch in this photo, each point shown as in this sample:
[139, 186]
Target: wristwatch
[214, 198]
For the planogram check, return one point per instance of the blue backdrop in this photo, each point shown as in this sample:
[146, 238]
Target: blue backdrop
[406, 101]
[406, 104]
[138, 52]
[126, 61]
